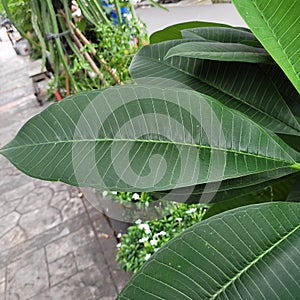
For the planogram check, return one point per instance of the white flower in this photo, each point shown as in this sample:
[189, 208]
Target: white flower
[191, 210]
[119, 235]
[178, 219]
[144, 239]
[159, 233]
[148, 255]
[105, 193]
[145, 227]
[153, 242]
[138, 221]
[156, 249]
[135, 196]
[114, 193]
[119, 245]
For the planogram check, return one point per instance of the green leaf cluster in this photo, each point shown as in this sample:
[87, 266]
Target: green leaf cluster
[213, 117]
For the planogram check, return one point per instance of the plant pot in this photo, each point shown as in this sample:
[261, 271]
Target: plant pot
[122, 215]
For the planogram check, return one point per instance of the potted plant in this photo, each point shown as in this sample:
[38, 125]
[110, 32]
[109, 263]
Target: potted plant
[213, 117]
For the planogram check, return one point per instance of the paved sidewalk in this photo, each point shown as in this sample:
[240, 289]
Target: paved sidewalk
[53, 243]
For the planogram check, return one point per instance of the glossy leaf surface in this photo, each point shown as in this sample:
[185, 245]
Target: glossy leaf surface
[242, 86]
[144, 138]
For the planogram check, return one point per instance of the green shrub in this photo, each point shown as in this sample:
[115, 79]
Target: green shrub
[145, 238]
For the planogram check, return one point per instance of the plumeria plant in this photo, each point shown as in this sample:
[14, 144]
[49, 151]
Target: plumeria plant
[213, 117]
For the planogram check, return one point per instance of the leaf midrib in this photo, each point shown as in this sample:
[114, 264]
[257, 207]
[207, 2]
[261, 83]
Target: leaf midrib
[258, 258]
[152, 141]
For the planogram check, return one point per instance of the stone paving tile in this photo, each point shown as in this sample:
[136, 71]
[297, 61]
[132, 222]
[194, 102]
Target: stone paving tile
[19, 191]
[12, 253]
[28, 276]
[2, 274]
[12, 238]
[37, 198]
[86, 285]
[62, 268]
[68, 243]
[59, 199]
[8, 222]
[106, 237]
[51, 246]
[2, 290]
[8, 207]
[48, 218]
[72, 208]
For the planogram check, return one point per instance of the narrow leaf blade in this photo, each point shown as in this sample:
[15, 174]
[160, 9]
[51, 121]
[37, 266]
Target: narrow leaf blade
[220, 52]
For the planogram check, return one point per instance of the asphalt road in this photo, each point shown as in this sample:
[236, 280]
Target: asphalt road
[157, 19]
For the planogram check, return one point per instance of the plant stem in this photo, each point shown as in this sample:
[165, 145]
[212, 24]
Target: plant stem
[12, 19]
[35, 16]
[296, 166]
[58, 43]
[89, 59]
[118, 10]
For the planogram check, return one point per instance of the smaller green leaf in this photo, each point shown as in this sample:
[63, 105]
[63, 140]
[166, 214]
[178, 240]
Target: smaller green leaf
[284, 86]
[227, 189]
[219, 34]
[173, 32]
[273, 192]
[220, 51]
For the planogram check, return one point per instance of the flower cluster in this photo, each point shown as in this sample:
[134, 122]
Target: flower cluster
[143, 239]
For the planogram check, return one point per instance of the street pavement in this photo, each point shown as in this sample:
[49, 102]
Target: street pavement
[157, 19]
[53, 244]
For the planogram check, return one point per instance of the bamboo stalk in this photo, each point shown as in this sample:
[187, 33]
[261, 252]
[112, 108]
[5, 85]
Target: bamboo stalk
[35, 16]
[94, 52]
[89, 59]
[58, 43]
[118, 10]
[54, 59]
[67, 82]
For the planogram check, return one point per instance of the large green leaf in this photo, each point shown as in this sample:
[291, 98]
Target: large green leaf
[173, 32]
[241, 86]
[220, 51]
[144, 138]
[247, 253]
[276, 24]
